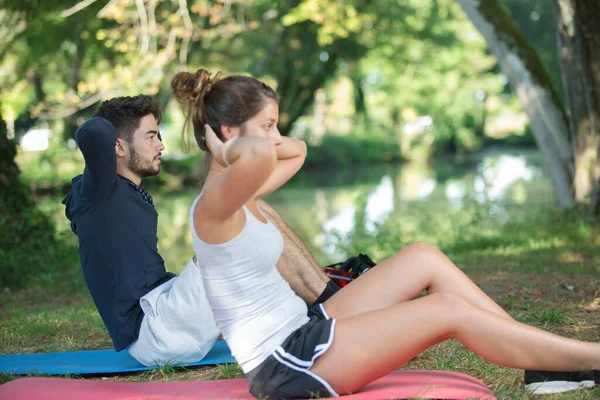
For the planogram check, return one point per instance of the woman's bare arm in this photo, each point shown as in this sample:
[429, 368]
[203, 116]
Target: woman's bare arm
[291, 154]
[252, 162]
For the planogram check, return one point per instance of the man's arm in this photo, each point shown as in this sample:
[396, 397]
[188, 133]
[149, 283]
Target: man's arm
[96, 139]
[297, 265]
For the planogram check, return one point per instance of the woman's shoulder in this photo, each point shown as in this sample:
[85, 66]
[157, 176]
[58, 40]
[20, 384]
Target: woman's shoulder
[212, 230]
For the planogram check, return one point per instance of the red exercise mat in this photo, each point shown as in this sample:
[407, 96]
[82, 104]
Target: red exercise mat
[397, 385]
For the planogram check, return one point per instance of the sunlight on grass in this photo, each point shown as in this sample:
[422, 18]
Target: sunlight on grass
[49, 330]
[593, 305]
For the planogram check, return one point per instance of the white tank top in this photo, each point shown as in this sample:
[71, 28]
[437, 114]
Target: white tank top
[254, 307]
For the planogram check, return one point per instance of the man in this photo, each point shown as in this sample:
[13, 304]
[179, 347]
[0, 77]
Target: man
[155, 315]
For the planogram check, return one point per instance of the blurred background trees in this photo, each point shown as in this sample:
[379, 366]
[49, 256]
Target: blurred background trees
[418, 78]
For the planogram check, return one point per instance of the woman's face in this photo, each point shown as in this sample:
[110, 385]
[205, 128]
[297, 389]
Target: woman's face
[264, 124]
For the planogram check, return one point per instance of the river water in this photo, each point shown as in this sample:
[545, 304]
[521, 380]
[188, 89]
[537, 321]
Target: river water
[331, 208]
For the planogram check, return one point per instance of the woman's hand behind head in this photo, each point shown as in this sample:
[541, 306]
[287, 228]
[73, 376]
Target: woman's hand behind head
[215, 146]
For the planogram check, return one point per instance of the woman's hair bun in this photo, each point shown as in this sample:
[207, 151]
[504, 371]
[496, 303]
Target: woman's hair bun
[189, 88]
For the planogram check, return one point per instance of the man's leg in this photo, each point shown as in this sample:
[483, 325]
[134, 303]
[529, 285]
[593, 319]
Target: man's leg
[297, 265]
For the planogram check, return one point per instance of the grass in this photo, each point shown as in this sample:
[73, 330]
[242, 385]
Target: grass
[542, 267]
[551, 316]
[227, 371]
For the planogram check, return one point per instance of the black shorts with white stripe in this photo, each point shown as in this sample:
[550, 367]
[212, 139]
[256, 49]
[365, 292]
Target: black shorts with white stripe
[285, 373]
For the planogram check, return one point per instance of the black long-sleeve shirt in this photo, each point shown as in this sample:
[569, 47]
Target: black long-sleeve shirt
[117, 232]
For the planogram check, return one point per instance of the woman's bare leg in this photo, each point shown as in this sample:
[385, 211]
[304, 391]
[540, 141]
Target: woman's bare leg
[402, 277]
[369, 345]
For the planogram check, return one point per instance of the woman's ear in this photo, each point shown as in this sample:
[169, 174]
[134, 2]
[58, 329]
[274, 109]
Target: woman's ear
[121, 148]
[230, 132]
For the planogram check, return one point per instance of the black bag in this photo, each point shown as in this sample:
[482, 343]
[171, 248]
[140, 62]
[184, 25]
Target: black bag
[356, 265]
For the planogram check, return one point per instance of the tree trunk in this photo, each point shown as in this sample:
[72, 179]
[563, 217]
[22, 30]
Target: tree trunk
[18, 216]
[529, 80]
[578, 44]
[319, 128]
[360, 105]
[297, 93]
[72, 122]
[298, 70]
[9, 171]
[26, 234]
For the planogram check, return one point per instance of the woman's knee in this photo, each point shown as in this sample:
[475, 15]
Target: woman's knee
[423, 255]
[420, 248]
[452, 309]
[428, 255]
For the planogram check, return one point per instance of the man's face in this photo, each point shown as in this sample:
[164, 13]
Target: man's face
[146, 148]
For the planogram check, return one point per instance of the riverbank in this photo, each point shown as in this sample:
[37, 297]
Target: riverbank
[492, 213]
[50, 171]
[544, 270]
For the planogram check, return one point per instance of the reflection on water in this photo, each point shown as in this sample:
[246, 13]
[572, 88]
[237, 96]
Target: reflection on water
[379, 204]
[495, 181]
[324, 208]
[498, 174]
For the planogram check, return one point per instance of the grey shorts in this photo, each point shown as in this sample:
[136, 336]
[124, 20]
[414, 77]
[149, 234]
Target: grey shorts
[178, 325]
[285, 373]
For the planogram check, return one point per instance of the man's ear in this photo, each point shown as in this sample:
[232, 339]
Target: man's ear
[230, 132]
[121, 148]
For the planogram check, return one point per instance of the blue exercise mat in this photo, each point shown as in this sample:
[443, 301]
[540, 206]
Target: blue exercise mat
[93, 362]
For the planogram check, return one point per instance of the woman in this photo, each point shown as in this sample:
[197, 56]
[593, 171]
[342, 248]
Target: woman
[370, 327]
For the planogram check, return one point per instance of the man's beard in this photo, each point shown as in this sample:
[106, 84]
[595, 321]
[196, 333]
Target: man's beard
[141, 167]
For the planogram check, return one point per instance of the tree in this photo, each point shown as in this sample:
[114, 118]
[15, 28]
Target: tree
[307, 43]
[437, 67]
[27, 235]
[537, 21]
[578, 44]
[529, 80]
[46, 57]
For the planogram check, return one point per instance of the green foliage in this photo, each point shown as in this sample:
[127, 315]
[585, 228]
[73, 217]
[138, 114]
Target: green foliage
[335, 20]
[27, 243]
[403, 60]
[397, 54]
[439, 73]
[531, 241]
[350, 150]
[513, 141]
[28, 247]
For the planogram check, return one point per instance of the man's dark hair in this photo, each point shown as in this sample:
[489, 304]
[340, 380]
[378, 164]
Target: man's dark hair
[125, 113]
